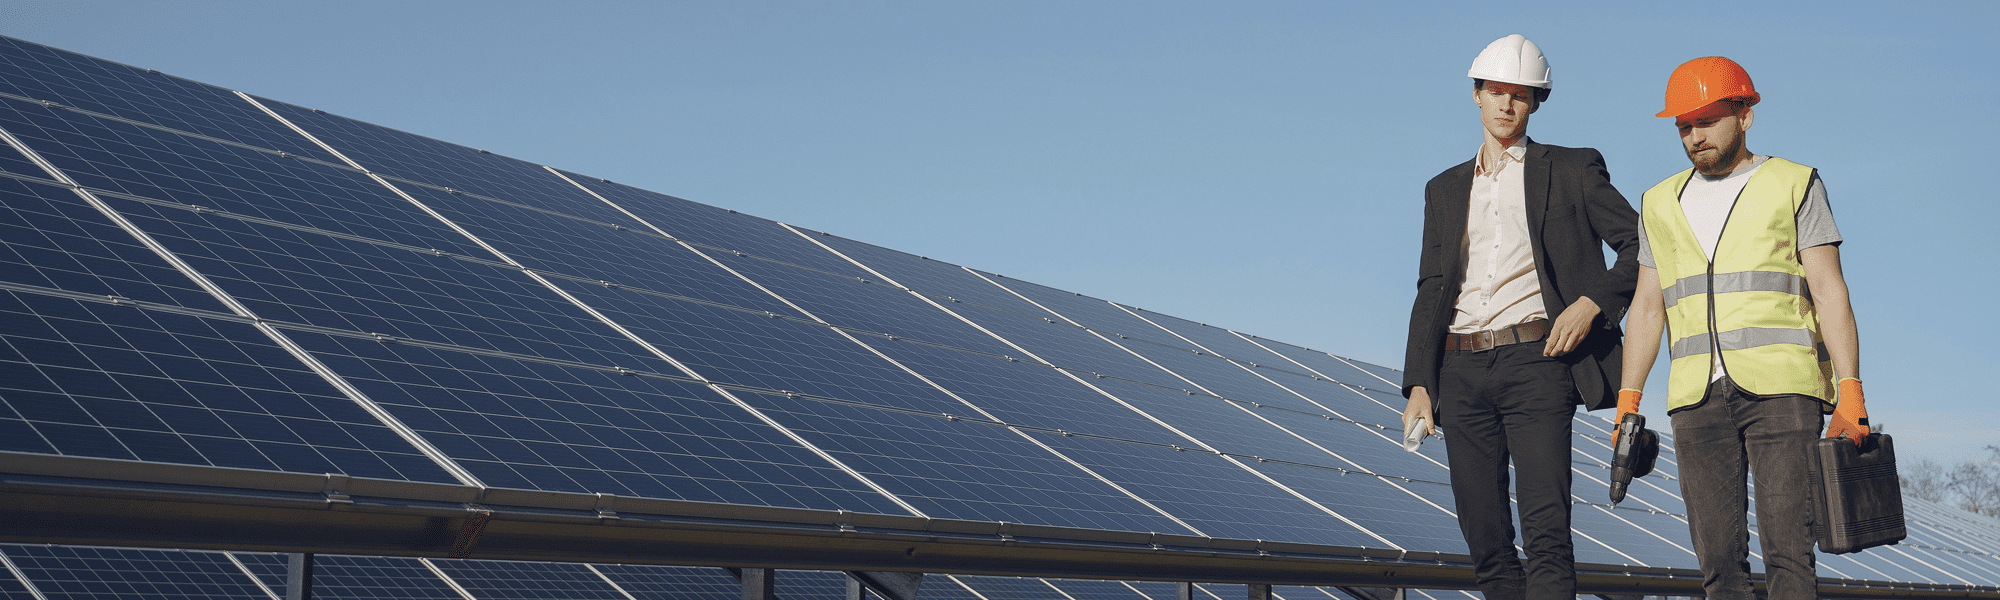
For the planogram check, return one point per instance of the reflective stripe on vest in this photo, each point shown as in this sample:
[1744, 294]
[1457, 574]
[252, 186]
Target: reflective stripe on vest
[1742, 281]
[1754, 291]
[1739, 339]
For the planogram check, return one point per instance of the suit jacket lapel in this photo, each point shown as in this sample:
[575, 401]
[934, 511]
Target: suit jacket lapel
[1535, 184]
[1457, 217]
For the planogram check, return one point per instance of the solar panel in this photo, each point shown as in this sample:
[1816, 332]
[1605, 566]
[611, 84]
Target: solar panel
[86, 572]
[33, 71]
[645, 582]
[194, 276]
[512, 580]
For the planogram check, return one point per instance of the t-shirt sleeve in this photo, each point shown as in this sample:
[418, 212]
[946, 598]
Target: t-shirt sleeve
[1815, 218]
[1645, 247]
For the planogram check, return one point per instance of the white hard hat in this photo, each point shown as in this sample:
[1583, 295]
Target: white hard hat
[1512, 59]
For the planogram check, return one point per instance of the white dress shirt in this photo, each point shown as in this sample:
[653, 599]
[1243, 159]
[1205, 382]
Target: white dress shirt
[1500, 288]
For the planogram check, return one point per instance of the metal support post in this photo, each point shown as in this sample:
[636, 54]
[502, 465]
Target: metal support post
[1183, 590]
[854, 589]
[299, 577]
[1260, 591]
[760, 584]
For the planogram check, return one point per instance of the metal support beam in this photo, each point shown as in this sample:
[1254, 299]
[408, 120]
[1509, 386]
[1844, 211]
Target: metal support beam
[1260, 591]
[854, 589]
[1183, 590]
[760, 584]
[299, 577]
[105, 502]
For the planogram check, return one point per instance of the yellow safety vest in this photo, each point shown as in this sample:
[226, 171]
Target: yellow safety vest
[1751, 302]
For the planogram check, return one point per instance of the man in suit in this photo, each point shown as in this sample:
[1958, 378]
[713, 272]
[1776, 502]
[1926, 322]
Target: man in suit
[1516, 322]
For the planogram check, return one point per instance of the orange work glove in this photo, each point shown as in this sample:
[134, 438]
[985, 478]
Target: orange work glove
[1850, 416]
[1628, 403]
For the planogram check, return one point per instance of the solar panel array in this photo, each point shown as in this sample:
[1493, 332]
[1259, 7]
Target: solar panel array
[205, 277]
[93, 572]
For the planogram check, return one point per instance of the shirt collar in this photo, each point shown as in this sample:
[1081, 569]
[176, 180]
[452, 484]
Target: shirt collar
[1518, 152]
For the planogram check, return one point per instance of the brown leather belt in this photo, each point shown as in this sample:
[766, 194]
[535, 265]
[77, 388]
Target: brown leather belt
[1479, 341]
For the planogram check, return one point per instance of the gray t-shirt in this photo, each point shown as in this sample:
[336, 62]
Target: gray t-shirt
[1706, 202]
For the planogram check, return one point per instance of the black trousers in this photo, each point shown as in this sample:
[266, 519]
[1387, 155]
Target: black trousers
[1717, 441]
[1511, 403]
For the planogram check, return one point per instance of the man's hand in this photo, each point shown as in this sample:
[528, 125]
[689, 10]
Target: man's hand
[1571, 327]
[1420, 408]
[1850, 416]
[1628, 403]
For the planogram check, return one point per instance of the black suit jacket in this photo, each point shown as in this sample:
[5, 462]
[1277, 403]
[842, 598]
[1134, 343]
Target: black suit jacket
[1572, 211]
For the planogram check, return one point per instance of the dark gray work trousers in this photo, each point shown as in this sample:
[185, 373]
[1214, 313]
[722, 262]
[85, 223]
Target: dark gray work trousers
[1511, 402]
[1718, 440]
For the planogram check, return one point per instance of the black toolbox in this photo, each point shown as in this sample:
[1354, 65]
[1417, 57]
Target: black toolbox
[1857, 499]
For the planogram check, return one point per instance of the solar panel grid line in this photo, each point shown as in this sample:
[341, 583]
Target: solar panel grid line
[594, 312]
[1318, 375]
[165, 129]
[493, 263]
[982, 411]
[1905, 553]
[1259, 474]
[107, 85]
[607, 580]
[1205, 445]
[773, 422]
[988, 417]
[1376, 432]
[252, 575]
[15, 572]
[423, 446]
[1030, 354]
[725, 385]
[447, 579]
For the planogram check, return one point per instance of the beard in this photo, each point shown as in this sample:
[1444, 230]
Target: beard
[1708, 158]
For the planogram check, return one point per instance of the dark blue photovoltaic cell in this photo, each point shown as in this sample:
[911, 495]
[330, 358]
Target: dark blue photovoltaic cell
[337, 577]
[945, 587]
[511, 580]
[79, 572]
[11, 588]
[85, 379]
[1020, 392]
[1245, 353]
[1011, 588]
[647, 582]
[1314, 362]
[1217, 376]
[779, 354]
[1217, 498]
[814, 585]
[124, 158]
[441, 164]
[268, 567]
[959, 470]
[44, 73]
[1154, 590]
[596, 252]
[1626, 531]
[12, 161]
[692, 221]
[528, 425]
[302, 277]
[1091, 589]
[1221, 591]
[50, 238]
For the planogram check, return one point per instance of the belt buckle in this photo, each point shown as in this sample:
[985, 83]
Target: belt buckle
[1485, 340]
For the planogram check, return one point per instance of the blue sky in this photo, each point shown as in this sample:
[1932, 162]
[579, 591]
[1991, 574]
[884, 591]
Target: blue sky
[1252, 165]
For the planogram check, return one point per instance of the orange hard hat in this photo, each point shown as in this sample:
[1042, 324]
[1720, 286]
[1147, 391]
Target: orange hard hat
[1704, 81]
